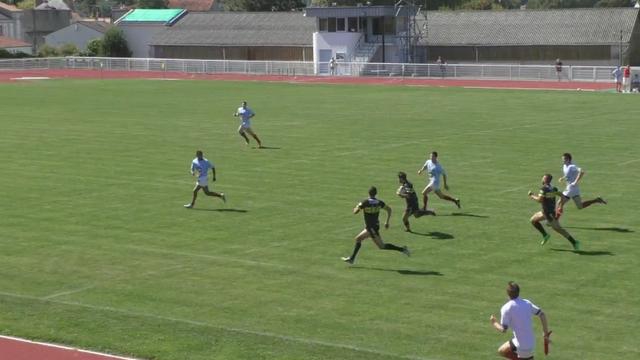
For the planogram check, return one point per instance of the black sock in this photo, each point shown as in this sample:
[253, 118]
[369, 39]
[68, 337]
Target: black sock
[388, 246]
[540, 228]
[571, 240]
[355, 250]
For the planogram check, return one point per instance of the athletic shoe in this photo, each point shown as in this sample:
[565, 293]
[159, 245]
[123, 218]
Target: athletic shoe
[576, 246]
[405, 250]
[224, 197]
[601, 200]
[458, 203]
[188, 206]
[545, 238]
[348, 260]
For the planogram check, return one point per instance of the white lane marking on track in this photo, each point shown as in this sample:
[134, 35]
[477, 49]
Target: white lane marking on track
[224, 328]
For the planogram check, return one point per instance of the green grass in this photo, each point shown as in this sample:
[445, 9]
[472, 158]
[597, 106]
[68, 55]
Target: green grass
[98, 252]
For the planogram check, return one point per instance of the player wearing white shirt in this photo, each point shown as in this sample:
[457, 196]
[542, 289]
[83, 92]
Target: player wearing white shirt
[201, 166]
[435, 170]
[572, 175]
[245, 115]
[516, 315]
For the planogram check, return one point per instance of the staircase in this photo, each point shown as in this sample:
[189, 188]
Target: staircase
[364, 52]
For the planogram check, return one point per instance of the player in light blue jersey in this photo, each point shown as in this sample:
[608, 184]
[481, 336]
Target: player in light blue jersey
[245, 115]
[435, 170]
[572, 175]
[201, 166]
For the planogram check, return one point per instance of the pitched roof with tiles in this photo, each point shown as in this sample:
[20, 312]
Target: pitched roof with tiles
[240, 29]
[6, 8]
[593, 26]
[191, 5]
[7, 42]
[99, 26]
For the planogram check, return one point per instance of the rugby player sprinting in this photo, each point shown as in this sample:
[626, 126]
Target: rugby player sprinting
[435, 170]
[201, 166]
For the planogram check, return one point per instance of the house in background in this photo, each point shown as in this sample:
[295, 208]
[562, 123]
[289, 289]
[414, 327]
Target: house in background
[79, 34]
[11, 21]
[14, 45]
[48, 17]
[238, 36]
[195, 5]
[140, 25]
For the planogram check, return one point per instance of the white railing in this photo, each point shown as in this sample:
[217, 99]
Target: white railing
[295, 68]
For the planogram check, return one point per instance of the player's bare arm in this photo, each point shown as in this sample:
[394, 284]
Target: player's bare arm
[356, 209]
[580, 175]
[388, 210]
[496, 324]
[444, 181]
[213, 172]
[533, 197]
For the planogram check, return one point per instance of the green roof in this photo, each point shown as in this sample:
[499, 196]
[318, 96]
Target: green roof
[152, 15]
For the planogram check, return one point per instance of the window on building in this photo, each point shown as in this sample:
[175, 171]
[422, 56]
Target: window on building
[341, 24]
[352, 24]
[1, 30]
[384, 24]
[323, 24]
[363, 24]
[332, 24]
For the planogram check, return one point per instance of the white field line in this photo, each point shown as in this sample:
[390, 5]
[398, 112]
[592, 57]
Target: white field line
[267, 334]
[628, 162]
[39, 343]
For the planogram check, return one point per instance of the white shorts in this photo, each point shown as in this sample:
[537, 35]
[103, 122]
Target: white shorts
[525, 353]
[571, 191]
[202, 181]
[434, 185]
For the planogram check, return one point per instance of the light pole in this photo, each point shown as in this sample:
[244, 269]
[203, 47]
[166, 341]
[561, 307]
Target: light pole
[620, 50]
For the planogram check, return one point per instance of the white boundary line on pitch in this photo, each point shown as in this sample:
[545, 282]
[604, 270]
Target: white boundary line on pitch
[40, 343]
[219, 327]
[628, 162]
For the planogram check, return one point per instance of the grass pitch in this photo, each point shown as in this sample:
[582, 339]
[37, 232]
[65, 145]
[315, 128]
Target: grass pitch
[98, 252]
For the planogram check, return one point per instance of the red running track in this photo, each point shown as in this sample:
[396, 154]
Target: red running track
[400, 81]
[19, 349]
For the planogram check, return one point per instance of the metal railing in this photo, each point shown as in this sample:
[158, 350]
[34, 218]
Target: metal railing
[296, 68]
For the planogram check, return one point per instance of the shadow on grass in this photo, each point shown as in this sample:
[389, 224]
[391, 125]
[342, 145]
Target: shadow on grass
[402, 271]
[222, 210]
[587, 253]
[466, 214]
[434, 234]
[267, 148]
[614, 229]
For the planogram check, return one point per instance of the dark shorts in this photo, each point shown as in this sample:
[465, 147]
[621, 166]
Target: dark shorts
[373, 230]
[412, 207]
[515, 350]
[550, 217]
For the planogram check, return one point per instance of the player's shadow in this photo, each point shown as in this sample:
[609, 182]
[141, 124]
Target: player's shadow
[223, 210]
[466, 214]
[434, 234]
[614, 229]
[587, 253]
[267, 148]
[402, 271]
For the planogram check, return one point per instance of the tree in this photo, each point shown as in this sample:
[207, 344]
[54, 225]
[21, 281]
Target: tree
[48, 51]
[94, 48]
[114, 44]
[69, 50]
[263, 5]
[152, 4]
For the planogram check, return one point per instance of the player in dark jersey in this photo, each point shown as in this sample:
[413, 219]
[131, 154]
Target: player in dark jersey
[547, 197]
[407, 192]
[371, 208]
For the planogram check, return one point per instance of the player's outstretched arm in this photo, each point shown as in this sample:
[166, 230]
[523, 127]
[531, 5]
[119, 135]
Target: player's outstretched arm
[356, 209]
[388, 210]
[496, 325]
[213, 172]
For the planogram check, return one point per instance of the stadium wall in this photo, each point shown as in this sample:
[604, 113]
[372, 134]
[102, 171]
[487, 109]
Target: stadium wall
[275, 53]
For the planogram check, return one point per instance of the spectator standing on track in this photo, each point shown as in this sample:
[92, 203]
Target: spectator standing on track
[333, 66]
[617, 74]
[559, 69]
[443, 66]
[626, 77]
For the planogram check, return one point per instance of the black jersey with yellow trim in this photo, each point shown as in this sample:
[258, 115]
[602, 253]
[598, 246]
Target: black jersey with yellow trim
[371, 208]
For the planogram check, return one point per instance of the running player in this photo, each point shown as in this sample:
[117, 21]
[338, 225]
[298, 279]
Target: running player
[371, 208]
[547, 197]
[516, 314]
[202, 166]
[245, 115]
[434, 169]
[572, 175]
[407, 192]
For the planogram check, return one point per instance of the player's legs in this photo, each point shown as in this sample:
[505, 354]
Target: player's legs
[212, 193]
[535, 221]
[249, 131]
[507, 350]
[444, 196]
[581, 205]
[241, 131]
[555, 225]
[377, 239]
[405, 219]
[425, 196]
[193, 198]
[358, 239]
[560, 204]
